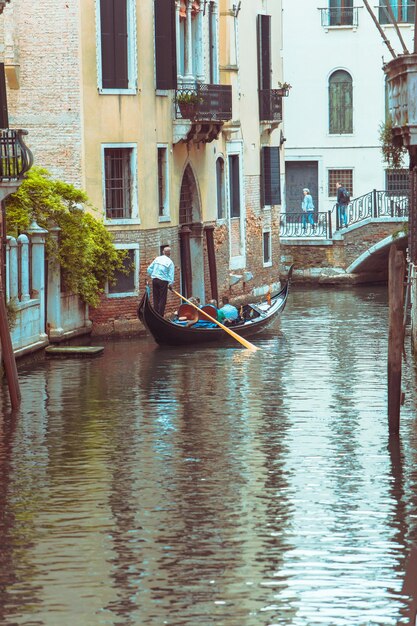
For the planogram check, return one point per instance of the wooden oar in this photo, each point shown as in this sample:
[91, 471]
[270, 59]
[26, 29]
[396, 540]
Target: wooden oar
[241, 340]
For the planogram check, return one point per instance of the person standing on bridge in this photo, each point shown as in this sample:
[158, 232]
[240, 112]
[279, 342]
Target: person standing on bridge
[307, 206]
[161, 270]
[343, 200]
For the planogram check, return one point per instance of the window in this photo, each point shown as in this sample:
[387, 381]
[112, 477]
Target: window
[119, 185]
[340, 103]
[190, 53]
[234, 185]
[340, 176]
[267, 251]
[220, 188]
[116, 46]
[397, 182]
[340, 12]
[165, 45]
[163, 179]
[270, 176]
[126, 282]
[403, 10]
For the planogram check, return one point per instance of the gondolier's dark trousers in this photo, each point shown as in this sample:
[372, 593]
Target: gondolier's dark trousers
[160, 291]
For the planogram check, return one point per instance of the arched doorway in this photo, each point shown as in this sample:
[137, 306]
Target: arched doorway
[191, 237]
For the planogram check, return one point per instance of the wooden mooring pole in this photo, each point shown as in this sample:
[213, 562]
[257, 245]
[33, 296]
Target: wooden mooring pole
[7, 353]
[396, 273]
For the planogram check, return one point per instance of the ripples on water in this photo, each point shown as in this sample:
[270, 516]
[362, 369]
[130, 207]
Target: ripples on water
[213, 487]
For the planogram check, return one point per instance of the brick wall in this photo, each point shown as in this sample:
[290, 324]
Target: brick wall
[48, 100]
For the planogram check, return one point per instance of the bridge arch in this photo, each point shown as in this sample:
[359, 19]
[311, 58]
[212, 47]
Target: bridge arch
[370, 260]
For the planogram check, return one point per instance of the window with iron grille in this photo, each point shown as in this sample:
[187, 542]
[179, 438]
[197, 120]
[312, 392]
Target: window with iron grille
[163, 182]
[345, 177]
[118, 182]
[188, 188]
[340, 103]
[403, 10]
[397, 182]
[117, 45]
[267, 251]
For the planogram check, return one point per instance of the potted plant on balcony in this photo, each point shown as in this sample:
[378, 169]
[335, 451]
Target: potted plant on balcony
[188, 102]
[284, 88]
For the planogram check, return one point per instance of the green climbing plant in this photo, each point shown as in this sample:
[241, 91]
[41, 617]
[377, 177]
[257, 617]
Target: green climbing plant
[393, 155]
[84, 248]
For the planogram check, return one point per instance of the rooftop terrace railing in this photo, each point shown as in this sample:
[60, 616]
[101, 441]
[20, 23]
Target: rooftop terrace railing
[337, 16]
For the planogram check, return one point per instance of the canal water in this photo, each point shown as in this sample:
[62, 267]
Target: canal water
[213, 487]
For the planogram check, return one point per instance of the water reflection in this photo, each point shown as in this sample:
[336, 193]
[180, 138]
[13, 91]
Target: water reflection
[213, 487]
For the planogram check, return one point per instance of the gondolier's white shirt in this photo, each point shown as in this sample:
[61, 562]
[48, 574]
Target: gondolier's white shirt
[163, 268]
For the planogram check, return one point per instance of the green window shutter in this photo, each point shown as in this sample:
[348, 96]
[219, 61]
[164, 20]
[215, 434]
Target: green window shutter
[270, 176]
[114, 44]
[165, 45]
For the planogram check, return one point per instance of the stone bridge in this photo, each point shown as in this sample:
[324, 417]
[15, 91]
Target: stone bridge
[351, 246]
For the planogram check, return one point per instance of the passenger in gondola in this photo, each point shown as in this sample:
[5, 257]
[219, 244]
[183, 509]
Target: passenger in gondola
[228, 314]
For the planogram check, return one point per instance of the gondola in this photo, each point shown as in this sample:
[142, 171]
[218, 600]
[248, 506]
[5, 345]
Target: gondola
[254, 319]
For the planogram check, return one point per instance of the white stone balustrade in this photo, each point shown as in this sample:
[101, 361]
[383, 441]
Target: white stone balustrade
[12, 283]
[23, 260]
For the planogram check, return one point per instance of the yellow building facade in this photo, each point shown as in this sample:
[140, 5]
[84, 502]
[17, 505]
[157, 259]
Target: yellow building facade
[168, 113]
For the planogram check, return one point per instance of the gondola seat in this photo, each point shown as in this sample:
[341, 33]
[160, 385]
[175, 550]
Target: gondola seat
[187, 313]
[210, 309]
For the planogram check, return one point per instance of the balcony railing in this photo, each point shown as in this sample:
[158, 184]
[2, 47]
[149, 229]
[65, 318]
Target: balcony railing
[204, 103]
[339, 17]
[15, 157]
[270, 104]
[374, 205]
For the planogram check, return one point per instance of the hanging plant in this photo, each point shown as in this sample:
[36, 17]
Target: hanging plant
[393, 155]
[84, 250]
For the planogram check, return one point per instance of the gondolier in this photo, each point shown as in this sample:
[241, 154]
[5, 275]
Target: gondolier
[161, 270]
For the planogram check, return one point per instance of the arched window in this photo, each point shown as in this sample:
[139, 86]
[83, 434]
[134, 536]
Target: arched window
[340, 103]
[220, 188]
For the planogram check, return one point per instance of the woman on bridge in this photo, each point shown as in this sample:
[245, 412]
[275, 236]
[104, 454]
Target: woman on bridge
[307, 206]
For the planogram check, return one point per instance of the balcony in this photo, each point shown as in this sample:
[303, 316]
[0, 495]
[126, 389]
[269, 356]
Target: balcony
[333, 17]
[203, 107]
[270, 104]
[15, 160]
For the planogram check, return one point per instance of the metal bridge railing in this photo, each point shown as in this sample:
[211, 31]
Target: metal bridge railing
[316, 225]
[373, 205]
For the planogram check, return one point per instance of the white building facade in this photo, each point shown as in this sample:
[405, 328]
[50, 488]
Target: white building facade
[333, 57]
